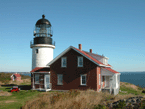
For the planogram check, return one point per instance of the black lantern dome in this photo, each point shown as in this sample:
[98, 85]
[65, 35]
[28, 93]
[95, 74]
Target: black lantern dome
[43, 32]
[43, 21]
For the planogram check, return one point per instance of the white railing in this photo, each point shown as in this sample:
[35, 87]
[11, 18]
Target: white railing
[50, 86]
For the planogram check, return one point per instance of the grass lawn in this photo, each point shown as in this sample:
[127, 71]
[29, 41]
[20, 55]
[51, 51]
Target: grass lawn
[17, 99]
[136, 90]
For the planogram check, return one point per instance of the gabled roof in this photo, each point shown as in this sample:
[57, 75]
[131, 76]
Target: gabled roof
[95, 55]
[41, 69]
[17, 75]
[92, 59]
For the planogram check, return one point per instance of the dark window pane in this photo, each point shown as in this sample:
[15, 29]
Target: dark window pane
[83, 79]
[36, 50]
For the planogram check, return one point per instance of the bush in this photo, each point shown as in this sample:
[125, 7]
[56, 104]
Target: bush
[143, 91]
[73, 93]
[142, 104]
[55, 98]
[99, 107]
[121, 104]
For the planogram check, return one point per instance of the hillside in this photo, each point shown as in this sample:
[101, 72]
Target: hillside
[88, 99]
[74, 99]
[5, 78]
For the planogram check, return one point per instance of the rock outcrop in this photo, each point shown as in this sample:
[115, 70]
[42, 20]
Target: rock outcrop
[132, 102]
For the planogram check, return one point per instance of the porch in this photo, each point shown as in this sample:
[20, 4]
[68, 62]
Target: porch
[40, 81]
[106, 84]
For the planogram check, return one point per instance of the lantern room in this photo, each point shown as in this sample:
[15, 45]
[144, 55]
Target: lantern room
[43, 32]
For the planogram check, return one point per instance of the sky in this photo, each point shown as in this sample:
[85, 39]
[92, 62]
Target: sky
[114, 28]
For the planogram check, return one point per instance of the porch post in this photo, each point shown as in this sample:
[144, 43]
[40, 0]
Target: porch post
[45, 81]
[33, 81]
[110, 79]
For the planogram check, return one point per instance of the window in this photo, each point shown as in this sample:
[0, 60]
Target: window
[36, 51]
[36, 78]
[63, 62]
[103, 78]
[59, 79]
[83, 79]
[80, 61]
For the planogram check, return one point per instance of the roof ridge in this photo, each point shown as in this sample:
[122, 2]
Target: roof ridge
[94, 59]
[93, 53]
[89, 55]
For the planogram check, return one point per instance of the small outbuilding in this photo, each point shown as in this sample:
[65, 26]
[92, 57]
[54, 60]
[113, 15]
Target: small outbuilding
[16, 77]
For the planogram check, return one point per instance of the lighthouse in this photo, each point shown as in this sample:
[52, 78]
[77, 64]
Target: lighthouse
[42, 44]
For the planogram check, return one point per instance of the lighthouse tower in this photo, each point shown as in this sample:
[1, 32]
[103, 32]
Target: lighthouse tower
[42, 45]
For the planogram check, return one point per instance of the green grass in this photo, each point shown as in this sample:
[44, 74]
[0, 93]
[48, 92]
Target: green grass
[19, 97]
[5, 77]
[130, 90]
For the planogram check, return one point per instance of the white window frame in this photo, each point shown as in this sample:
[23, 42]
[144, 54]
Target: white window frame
[58, 77]
[62, 62]
[81, 79]
[37, 76]
[79, 62]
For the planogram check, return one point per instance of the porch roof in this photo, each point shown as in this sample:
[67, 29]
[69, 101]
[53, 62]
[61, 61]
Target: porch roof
[41, 69]
[111, 70]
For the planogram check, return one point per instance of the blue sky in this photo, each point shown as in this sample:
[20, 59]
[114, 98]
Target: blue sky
[115, 28]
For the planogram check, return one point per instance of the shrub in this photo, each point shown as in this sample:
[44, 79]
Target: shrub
[73, 93]
[143, 91]
[142, 104]
[121, 104]
[99, 107]
[55, 98]
[5, 77]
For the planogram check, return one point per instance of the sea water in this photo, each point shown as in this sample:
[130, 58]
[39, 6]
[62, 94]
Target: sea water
[137, 78]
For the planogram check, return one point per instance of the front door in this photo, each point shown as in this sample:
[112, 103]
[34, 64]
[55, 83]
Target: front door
[47, 81]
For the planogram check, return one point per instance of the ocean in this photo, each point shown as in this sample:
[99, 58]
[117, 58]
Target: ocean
[137, 78]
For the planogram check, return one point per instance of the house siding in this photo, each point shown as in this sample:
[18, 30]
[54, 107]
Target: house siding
[97, 76]
[16, 78]
[71, 74]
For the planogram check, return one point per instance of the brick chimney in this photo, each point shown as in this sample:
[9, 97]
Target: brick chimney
[80, 47]
[90, 50]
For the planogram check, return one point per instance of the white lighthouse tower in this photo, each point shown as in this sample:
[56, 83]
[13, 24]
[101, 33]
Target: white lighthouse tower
[42, 45]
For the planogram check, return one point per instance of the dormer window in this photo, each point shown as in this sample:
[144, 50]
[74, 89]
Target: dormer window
[80, 61]
[63, 62]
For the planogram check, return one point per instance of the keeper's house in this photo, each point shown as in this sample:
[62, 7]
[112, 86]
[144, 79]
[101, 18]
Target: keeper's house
[78, 69]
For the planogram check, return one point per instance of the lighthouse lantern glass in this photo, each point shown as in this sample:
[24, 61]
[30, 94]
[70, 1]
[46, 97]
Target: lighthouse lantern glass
[43, 30]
